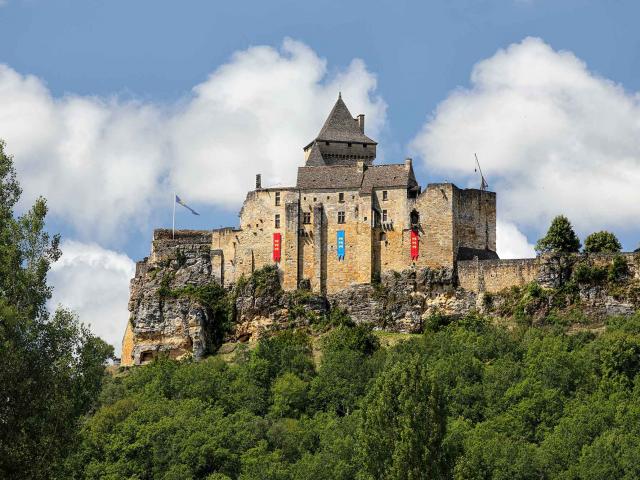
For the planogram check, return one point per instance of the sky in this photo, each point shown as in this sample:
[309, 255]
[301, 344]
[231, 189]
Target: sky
[109, 107]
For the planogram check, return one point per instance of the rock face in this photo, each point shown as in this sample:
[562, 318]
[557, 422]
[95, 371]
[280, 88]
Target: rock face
[261, 306]
[177, 305]
[404, 300]
[160, 320]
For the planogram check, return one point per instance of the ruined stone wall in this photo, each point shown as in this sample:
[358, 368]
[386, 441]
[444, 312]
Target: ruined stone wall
[495, 275]
[475, 219]
[159, 321]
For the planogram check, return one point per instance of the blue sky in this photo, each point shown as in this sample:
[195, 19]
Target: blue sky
[138, 69]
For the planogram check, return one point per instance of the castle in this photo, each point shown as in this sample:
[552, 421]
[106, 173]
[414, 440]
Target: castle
[345, 225]
[348, 221]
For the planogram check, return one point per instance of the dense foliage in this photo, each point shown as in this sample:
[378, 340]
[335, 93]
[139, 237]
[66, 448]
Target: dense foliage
[467, 399]
[560, 238]
[51, 368]
[602, 242]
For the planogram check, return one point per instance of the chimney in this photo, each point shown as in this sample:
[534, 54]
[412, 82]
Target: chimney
[258, 181]
[361, 122]
[407, 163]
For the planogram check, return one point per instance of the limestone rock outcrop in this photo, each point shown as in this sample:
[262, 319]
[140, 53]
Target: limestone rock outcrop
[161, 321]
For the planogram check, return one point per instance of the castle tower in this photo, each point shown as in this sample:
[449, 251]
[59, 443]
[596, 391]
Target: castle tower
[341, 140]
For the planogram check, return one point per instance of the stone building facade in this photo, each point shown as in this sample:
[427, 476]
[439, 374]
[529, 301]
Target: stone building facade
[348, 221]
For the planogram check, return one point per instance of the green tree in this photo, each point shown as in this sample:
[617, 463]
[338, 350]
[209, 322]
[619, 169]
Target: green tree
[52, 367]
[602, 242]
[289, 396]
[403, 424]
[560, 238]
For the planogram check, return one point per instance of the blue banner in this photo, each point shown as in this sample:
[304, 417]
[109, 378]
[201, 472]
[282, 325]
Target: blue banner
[340, 244]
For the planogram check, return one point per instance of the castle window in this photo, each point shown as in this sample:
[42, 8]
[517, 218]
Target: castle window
[315, 199]
[277, 199]
[364, 145]
[341, 217]
[341, 197]
[384, 215]
[385, 195]
[306, 218]
[326, 143]
[348, 144]
[415, 218]
[277, 221]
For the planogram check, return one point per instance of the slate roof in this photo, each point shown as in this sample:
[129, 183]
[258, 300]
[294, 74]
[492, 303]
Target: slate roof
[337, 176]
[315, 157]
[467, 253]
[340, 126]
[388, 176]
[348, 177]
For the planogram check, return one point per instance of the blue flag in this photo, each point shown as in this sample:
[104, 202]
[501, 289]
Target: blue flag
[340, 244]
[180, 202]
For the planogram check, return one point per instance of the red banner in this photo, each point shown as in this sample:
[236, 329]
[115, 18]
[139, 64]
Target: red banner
[415, 245]
[277, 246]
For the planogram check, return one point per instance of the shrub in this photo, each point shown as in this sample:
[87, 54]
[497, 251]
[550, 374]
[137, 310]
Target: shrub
[560, 238]
[602, 242]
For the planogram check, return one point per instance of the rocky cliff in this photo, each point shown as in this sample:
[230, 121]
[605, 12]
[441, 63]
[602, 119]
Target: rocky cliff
[177, 307]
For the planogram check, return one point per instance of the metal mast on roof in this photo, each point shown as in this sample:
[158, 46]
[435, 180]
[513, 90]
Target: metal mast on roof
[483, 183]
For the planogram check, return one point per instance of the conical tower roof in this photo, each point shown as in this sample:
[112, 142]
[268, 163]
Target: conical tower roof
[340, 126]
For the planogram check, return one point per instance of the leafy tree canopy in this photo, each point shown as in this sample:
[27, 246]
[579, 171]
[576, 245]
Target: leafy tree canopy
[52, 367]
[602, 242]
[560, 238]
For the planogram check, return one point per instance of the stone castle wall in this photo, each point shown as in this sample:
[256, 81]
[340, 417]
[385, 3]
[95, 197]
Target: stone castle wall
[495, 275]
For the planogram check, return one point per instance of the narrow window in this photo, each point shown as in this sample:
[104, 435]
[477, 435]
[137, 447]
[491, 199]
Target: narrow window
[326, 143]
[306, 218]
[341, 197]
[277, 199]
[348, 144]
[385, 195]
[383, 237]
[384, 215]
[277, 220]
[340, 217]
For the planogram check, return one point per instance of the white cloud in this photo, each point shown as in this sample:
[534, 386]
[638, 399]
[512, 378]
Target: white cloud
[94, 282]
[552, 137]
[511, 242]
[105, 163]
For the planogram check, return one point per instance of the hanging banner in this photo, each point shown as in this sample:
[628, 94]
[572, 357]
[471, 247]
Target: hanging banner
[277, 246]
[340, 244]
[415, 245]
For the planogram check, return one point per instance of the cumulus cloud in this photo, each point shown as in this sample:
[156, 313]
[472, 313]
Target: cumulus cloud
[105, 163]
[552, 136]
[94, 282]
[511, 242]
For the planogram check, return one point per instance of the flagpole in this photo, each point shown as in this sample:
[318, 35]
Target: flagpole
[173, 227]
